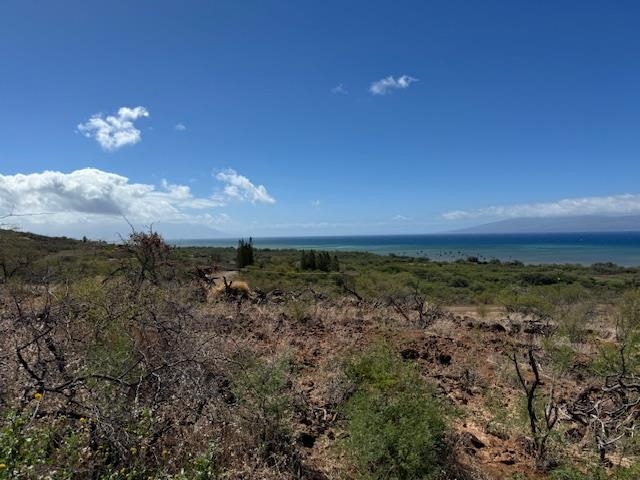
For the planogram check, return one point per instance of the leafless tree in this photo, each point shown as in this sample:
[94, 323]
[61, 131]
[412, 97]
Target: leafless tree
[612, 410]
[541, 420]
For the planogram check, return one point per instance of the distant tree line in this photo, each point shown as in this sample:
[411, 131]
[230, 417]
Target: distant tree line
[244, 254]
[312, 260]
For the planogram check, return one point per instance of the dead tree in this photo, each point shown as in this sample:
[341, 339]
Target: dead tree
[342, 281]
[612, 410]
[427, 312]
[540, 426]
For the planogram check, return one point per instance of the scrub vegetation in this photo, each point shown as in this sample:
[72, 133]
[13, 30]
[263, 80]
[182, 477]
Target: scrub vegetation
[142, 360]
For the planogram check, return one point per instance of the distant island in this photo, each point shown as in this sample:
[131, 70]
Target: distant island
[582, 223]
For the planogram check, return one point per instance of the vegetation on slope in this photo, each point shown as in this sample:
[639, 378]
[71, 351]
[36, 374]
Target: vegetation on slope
[144, 361]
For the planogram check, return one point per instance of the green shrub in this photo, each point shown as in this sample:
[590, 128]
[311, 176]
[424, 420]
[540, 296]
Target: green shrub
[459, 282]
[297, 310]
[23, 447]
[31, 448]
[264, 402]
[569, 472]
[395, 423]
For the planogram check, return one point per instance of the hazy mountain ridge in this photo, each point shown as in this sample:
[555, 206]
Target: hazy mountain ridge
[584, 223]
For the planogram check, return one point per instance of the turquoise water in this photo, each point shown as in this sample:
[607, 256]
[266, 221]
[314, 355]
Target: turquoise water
[621, 248]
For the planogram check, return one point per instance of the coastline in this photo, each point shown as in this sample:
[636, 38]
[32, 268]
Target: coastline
[620, 248]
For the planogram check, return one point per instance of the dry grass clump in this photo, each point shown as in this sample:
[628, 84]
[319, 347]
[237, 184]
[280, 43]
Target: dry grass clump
[233, 288]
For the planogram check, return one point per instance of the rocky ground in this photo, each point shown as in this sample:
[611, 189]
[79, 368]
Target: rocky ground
[467, 357]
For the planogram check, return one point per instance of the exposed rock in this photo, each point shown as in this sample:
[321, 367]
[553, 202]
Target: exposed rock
[538, 328]
[307, 440]
[444, 359]
[507, 457]
[409, 354]
[469, 438]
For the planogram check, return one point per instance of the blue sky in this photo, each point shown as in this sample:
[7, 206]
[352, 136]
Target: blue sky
[305, 118]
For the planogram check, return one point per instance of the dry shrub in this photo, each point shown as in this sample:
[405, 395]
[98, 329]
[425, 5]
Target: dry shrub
[232, 289]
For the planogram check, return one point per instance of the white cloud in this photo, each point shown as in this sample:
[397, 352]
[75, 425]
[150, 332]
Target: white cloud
[93, 202]
[339, 89]
[96, 197]
[114, 131]
[385, 85]
[240, 187]
[180, 127]
[315, 203]
[611, 205]
[401, 218]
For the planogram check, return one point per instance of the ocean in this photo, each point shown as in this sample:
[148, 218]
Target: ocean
[621, 248]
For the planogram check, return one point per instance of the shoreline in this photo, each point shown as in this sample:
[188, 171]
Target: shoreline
[622, 249]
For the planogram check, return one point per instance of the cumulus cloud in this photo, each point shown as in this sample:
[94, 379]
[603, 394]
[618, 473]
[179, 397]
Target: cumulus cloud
[385, 85]
[114, 131]
[401, 218]
[180, 127]
[93, 200]
[611, 205]
[339, 89]
[240, 187]
[91, 193]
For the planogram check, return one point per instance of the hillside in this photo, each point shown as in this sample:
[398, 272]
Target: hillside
[142, 361]
[39, 243]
